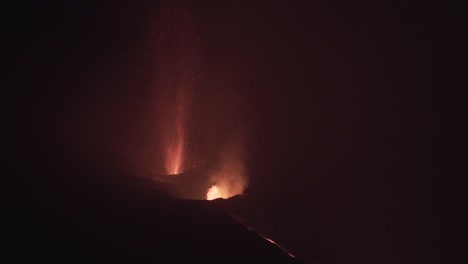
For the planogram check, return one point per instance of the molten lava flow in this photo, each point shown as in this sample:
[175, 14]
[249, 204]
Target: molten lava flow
[213, 193]
[276, 244]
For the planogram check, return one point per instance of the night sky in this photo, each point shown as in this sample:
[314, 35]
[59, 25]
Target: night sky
[345, 114]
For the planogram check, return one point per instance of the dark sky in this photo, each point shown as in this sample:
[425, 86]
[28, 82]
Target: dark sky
[348, 109]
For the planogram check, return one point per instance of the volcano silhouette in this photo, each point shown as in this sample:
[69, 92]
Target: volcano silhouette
[64, 211]
[191, 184]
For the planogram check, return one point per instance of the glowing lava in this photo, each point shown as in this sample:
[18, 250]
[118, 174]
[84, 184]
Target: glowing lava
[276, 244]
[176, 63]
[213, 193]
[175, 145]
[174, 157]
[222, 191]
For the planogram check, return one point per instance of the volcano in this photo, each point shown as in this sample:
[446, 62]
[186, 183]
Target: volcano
[69, 211]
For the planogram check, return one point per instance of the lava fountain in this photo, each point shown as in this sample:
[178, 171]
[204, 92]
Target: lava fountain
[177, 68]
[175, 144]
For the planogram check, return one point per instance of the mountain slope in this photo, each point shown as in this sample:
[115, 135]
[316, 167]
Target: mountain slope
[66, 212]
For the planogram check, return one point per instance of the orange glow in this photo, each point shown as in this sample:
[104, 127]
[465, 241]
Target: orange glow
[176, 59]
[174, 157]
[226, 186]
[175, 144]
[213, 193]
[230, 178]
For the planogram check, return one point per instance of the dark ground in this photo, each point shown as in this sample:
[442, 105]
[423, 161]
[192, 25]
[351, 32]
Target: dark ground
[106, 215]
